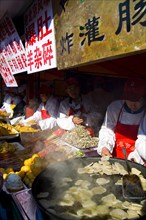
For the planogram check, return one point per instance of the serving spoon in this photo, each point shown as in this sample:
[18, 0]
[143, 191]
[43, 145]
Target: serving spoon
[131, 183]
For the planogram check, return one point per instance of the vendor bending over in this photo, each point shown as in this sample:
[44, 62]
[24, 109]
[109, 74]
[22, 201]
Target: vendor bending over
[45, 116]
[125, 124]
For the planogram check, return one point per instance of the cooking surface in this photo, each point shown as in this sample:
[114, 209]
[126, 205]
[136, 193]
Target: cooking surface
[54, 188]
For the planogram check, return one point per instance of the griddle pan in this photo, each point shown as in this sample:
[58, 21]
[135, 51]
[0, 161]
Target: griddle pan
[46, 183]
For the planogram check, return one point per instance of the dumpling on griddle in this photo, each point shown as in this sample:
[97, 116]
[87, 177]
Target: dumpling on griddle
[109, 199]
[66, 202]
[89, 212]
[88, 203]
[132, 214]
[119, 214]
[82, 183]
[102, 181]
[98, 190]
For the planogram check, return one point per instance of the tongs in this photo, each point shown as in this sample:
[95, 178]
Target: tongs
[131, 184]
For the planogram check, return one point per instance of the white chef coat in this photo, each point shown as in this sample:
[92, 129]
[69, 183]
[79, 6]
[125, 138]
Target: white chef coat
[107, 134]
[64, 121]
[140, 144]
[9, 101]
[52, 108]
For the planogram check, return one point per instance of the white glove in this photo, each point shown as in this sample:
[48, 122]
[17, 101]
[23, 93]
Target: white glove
[135, 157]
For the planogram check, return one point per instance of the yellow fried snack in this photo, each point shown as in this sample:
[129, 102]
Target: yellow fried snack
[25, 129]
[9, 170]
[7, 129]
[4, 114]
[7, 147]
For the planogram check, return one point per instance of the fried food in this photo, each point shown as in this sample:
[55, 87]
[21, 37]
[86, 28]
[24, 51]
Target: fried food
[20, 128]
[7, 147]
[7, 129]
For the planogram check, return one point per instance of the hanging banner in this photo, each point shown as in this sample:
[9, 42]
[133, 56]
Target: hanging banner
[6, 73]
[88, 31]
[39, 37]
[11, 47]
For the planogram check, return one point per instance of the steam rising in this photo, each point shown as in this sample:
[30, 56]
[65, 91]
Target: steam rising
[80, 188]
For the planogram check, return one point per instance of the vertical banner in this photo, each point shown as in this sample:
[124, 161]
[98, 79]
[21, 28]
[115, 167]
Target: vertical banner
[11, 47]
[39, 37]
[6, 73]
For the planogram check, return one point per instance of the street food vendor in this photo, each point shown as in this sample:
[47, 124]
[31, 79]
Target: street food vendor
[11, 100]
[76, 108]
[124, 124]
[45, 115]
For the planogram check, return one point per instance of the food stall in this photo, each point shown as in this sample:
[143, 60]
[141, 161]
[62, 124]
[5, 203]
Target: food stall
[58, 178]
[57, 174]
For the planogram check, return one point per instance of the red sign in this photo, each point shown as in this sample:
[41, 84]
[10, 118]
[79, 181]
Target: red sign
[11, 47]
[6, 74]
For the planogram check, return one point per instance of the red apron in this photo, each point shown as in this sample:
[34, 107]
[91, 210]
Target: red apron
[45, 114]
[126, 136]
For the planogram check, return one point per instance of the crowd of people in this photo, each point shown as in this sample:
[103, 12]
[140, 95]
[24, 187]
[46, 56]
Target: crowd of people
[118, 124]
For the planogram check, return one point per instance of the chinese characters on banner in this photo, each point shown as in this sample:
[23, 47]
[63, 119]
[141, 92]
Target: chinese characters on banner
[11, 47]
[6, 74]
[40, 37]
[94, 30]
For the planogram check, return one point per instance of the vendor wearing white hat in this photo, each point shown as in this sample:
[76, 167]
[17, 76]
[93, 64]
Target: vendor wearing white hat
[123, 124]
[45, 116]
[76, 108]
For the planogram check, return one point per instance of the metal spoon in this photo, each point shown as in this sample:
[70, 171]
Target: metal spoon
[131, 183]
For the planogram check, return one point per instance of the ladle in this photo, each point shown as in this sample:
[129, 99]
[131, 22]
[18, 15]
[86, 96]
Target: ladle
[131, 183]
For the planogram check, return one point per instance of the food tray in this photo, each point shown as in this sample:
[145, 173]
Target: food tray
[81, 149]
[5, 118]
[13, 160]
[27, 205]
[8, 137]
[17, 145]
[92, 151]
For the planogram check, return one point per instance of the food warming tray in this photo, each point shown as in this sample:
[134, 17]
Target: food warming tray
[8, 137]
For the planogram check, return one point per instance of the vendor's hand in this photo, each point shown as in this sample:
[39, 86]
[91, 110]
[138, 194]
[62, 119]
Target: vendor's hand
[21, 123]
[135, 157]
[105, 152]
[77, 120]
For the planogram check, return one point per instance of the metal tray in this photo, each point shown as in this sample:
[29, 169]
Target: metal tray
[26, 205]
[12, 159]
[17, 144]
[8, 137]
[84, 150]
